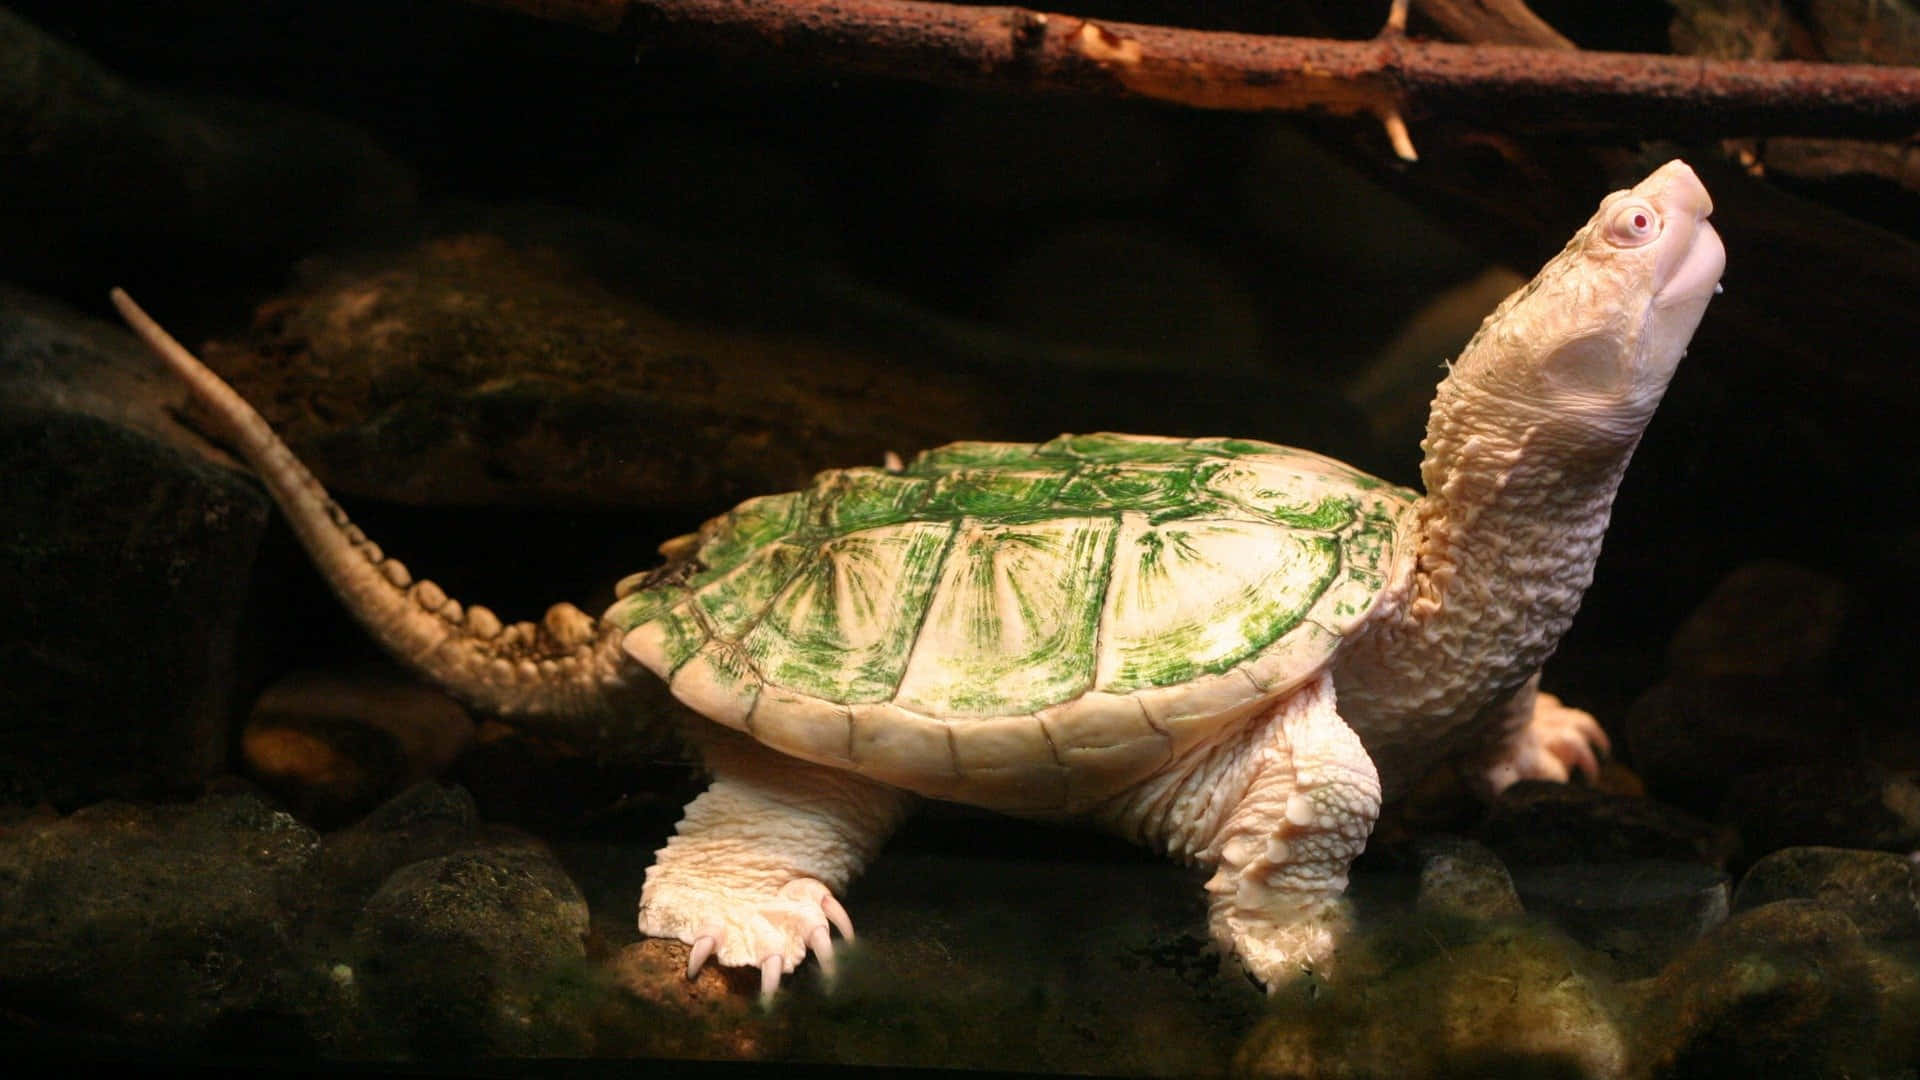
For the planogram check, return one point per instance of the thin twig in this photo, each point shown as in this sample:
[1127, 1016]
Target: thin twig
[1642, 95]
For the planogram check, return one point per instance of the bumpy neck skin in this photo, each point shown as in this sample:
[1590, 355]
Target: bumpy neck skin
[1505, 545]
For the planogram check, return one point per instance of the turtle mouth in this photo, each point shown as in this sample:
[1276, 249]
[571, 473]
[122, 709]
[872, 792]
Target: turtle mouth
[1698, 275]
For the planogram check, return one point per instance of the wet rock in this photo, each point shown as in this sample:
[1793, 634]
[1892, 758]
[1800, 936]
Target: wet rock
[471, 371]
[1540, 823]
[1786, 989]
[1767, 618]
[1519, 1002]
[1462, 878]
[167, 926]
[125, 554]
[225, 181]
[1691, 739]
[1855, 805]
[426, 821]
[1878, 890]
[334, 744]
[478, 953]
[1639, 913]
[1748, 687]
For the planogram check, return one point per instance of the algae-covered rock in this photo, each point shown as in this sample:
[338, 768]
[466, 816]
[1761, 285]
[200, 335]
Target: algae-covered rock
[1879, 891]
[155, 926]
[1519, 1001]
[1787, 989]
[478, 953]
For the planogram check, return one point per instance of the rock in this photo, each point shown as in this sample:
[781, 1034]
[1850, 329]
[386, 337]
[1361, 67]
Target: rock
[478, 953]
[1639, 913]
[1767, 619]
[1462, 878]
[334, 744]
[1849, 804]
[1540, 823]
[470, 371]
[426, 821]
[1691, 739]
[1878, 890]
[222, 181]
[157, 926]
[1519, 1002]
[1786, 989]
[125, 555]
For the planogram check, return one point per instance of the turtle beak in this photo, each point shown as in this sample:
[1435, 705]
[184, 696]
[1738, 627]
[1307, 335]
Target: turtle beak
[1692, 257]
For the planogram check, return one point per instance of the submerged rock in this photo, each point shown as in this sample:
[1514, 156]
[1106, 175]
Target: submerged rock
[1638, 913]
[1877, 890]
[126, 551]
[1786, 989]
[335, 744]
[1520, 1001]
[477, 953]
[156, 926]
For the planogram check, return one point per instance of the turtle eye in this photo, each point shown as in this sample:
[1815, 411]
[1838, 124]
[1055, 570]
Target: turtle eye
[1633, 224]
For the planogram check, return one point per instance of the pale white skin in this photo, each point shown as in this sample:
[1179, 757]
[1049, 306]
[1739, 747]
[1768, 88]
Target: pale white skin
[1529, 436]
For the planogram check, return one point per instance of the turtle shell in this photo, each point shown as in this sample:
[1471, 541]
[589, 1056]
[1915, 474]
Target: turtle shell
[1027, 627]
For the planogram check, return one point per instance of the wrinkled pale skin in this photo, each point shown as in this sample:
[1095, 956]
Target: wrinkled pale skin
[1529, 436]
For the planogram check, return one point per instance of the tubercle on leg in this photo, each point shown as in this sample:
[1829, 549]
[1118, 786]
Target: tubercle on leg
[1282, 854]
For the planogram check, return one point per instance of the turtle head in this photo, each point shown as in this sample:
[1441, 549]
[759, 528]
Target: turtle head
[1594, 338]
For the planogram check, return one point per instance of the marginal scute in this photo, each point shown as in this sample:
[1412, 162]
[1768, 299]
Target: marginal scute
[806, 727]
[1026, 626]
[892, 744]
[1000, 743]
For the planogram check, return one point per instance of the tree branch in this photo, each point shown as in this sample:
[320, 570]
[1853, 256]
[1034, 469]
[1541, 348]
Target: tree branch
[1007, 48]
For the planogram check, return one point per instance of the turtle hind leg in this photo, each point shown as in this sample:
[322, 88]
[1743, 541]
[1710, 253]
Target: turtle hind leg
[749, 876]
[1539, 739]
[1281, 855]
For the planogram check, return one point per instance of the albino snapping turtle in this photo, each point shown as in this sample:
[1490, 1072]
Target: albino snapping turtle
[1226, 649]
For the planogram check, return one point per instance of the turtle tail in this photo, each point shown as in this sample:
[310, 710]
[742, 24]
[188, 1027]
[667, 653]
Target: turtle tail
[566, 674]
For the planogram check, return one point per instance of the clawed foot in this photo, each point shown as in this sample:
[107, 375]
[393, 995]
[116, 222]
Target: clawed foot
[1558, 740]
[1277, 950]
[742, 928]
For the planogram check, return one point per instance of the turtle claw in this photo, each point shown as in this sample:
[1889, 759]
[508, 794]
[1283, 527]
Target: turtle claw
[770, 971]
[838, 916]
[703, 950]
[820, 941]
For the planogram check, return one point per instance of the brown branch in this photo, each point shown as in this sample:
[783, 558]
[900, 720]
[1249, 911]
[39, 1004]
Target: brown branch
[1008, 48]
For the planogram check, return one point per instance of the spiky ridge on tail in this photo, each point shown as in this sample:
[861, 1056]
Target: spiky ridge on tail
[568, 670]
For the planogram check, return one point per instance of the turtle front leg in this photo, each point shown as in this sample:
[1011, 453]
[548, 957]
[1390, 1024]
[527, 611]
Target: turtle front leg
[1538, 738]
[749, 876]
[1281, 856]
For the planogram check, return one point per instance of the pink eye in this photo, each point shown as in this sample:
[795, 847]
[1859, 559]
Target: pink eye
[1633, 225]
